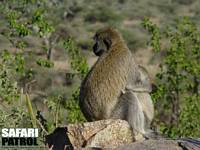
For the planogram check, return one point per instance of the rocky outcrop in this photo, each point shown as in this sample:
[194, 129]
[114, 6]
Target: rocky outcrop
[111, 134]
[163, 144]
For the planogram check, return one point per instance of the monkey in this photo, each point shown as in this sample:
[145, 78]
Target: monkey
[116, 87]
[142, 90]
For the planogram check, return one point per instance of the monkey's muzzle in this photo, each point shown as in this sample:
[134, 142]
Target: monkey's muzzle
[97, 51]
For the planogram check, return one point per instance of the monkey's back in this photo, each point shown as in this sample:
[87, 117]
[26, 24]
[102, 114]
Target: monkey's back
[103, 85]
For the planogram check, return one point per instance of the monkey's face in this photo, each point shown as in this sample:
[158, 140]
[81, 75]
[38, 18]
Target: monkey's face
[102, 44]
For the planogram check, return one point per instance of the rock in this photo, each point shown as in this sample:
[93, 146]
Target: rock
[152, 145]
[111, 135]
[163, 144]
[58, 140]
[104, 134]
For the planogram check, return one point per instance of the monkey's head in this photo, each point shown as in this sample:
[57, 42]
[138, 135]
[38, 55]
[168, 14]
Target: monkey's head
[104, 39]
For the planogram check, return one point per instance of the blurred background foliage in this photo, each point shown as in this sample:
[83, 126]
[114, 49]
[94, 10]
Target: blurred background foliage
[45, 51]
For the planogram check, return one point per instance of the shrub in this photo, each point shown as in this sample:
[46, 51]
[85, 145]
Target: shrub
[79, 65]
[177, 97]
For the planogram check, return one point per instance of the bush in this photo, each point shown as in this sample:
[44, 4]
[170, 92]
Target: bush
[79, 65]
[15, 76]
[177, 98]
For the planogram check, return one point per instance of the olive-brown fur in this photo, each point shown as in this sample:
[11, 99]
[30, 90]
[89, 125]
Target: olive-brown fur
[108, 89]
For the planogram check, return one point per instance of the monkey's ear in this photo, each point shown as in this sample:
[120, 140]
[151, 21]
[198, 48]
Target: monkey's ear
[107, 42]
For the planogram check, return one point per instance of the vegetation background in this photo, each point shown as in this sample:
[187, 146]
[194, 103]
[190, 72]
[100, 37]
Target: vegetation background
[45, 51]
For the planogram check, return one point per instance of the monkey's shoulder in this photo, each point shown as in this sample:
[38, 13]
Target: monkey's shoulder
[111, 68]
[107, 76]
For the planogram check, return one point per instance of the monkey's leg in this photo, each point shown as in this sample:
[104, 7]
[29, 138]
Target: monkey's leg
[135, 115]
[147, 106]
[130, 109]
[148, 109]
